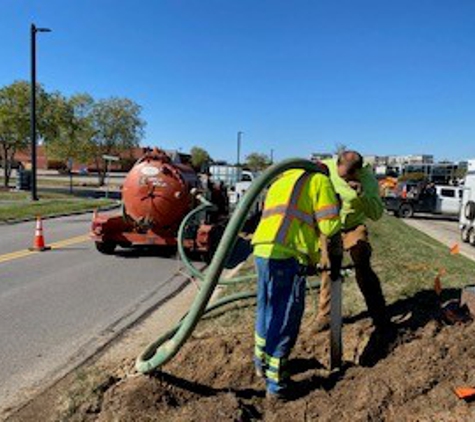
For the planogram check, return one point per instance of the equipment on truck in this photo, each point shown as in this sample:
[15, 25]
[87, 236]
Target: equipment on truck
[467, 213]
[422, 197]
[156, 196]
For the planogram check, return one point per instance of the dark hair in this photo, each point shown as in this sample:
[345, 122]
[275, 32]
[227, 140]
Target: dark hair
[351, 159]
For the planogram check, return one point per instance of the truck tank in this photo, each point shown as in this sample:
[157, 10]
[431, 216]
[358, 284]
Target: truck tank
[156, 196]
[156, 193]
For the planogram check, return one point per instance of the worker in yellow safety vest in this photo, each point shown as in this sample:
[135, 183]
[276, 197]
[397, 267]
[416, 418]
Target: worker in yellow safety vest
[357, 188]
[299, 206]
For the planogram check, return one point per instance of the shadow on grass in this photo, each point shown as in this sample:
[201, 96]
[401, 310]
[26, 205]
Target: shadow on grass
[416, 311]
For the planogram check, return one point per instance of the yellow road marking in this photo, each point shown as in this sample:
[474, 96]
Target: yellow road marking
[61, 244]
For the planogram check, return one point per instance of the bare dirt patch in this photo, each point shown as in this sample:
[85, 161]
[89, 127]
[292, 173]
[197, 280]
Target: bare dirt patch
[213, 379]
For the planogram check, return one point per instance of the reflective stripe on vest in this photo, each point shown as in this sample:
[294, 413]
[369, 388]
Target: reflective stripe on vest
[327, 212]
[290, 211]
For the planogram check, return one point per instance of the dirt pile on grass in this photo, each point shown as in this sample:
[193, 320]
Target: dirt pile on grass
[213, 379]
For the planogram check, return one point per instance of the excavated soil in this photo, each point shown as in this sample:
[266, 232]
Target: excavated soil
[212, 379]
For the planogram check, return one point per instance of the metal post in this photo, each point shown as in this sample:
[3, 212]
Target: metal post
[272, 156]
[34, 196]
[239, 134]
[335, 324]
[33, 31]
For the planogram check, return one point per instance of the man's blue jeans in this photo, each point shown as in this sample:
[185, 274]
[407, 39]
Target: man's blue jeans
[280, 307]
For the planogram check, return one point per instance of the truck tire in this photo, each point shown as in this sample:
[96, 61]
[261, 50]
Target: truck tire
[106, 248]
[465, 234]
[469, 210]
[471, 236]
[406, 211]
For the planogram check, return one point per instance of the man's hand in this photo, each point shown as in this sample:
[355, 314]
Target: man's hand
[356, 186]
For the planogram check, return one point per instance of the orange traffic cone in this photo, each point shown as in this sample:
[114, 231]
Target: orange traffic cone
[39, 240]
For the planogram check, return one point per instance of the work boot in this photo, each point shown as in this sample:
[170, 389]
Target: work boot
[285, 394]
[322, 323]
[380, 344]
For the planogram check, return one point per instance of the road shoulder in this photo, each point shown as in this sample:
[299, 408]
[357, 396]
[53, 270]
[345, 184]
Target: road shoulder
[118, 358]
[445, 231]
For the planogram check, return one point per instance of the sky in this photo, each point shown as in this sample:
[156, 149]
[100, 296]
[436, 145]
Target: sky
[379, 76]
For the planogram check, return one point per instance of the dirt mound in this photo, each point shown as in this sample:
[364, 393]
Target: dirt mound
[213, 379]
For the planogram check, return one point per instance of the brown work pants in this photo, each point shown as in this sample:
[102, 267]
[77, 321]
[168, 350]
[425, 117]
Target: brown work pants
[356, 242]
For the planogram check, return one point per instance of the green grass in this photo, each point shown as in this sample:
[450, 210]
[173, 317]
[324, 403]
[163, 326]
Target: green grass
[13, 196]
[406, 261]
[22, 209]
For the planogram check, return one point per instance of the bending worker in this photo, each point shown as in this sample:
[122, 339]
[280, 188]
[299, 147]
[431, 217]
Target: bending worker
[299, 207]
[357, 188]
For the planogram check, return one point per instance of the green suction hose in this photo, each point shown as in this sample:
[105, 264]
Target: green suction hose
[167, 346]
[205, 204]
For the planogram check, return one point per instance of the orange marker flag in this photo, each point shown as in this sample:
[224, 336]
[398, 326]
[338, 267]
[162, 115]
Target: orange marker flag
[455, 249]
[465, 393]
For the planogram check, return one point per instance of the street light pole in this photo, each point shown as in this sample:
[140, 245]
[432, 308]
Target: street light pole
[33, 31]
[239, 135]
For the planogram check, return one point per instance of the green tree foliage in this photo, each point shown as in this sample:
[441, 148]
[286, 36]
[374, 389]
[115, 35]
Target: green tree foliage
[117, 126]
[71, 133]
[257, 162]
[414, 177]
[199, 158]
[15, 121]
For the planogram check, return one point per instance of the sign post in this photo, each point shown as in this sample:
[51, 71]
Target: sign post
[108, 159]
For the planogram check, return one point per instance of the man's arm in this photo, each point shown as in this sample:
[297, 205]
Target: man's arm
[327, 217]
[368, 199]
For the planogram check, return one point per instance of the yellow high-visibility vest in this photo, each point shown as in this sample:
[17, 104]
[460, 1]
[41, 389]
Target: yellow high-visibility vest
[299, 206]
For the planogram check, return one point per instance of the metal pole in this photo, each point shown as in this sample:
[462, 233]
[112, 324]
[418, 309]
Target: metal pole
[272, 156]
[239, 134]
[34, 196]
[335, 324]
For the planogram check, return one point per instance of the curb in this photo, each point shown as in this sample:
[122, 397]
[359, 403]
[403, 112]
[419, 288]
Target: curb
[50, 216]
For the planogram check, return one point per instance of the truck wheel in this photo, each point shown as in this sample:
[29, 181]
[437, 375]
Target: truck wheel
[471, 236]
[406, 211]
[107, 248]
[470, 210]
[465, 234]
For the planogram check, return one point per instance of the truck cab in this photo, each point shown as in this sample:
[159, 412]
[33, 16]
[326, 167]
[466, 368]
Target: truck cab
[467, 211]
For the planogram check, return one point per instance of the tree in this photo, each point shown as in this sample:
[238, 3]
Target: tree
[414, 177]
[72, 134]
[15, 121]
[117, 126]
[199, 158]
[257, 162]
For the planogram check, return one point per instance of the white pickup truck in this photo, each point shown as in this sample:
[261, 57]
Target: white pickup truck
[467, 213]
[413, 198]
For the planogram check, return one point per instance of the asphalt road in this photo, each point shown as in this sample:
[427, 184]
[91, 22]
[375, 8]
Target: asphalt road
[445, 231]
[59, 307]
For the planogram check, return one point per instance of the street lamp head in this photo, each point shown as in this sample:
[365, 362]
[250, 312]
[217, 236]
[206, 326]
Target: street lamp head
[43, 30]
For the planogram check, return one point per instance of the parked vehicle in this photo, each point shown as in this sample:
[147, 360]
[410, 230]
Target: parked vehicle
[467, 212]
[422, 197]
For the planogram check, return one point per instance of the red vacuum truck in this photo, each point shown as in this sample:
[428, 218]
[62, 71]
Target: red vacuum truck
[156, 196]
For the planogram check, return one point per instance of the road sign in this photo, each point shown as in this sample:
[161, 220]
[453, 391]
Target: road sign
[110, 157]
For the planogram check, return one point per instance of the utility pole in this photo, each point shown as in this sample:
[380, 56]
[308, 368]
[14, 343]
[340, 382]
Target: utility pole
[239, 136]
[272, 156]
[33, 31]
